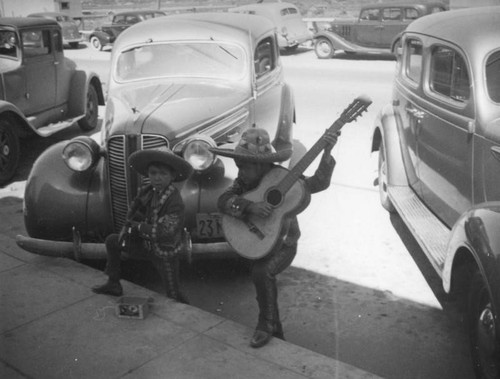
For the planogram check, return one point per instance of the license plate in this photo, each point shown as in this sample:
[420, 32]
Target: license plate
[209, 225]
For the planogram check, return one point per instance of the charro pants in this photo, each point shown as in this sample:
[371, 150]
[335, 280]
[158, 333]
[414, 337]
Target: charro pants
[168, 268]
[264, 273]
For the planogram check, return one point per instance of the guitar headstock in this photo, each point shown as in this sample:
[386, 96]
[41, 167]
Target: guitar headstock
[356, 108]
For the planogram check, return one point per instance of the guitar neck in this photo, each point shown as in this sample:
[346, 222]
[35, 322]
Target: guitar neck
[297, 170]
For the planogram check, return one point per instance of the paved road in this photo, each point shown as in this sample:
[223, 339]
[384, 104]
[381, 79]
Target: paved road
[360, 289]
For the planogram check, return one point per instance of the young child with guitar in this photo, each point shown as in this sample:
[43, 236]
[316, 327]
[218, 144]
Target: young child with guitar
[256, 160]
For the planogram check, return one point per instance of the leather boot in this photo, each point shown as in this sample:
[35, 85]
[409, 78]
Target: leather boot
[113, 288]
[260, 338]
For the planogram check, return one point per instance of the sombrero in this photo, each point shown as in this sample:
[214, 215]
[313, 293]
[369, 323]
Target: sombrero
[255, 146]
[141, 159]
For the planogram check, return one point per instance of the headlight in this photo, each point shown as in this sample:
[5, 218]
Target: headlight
[197, 153]
[81, 153]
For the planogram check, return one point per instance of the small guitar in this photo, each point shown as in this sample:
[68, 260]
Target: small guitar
[255, 237]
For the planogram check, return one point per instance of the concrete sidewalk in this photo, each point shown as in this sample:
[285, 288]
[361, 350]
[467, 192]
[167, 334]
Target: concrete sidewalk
[53, 326]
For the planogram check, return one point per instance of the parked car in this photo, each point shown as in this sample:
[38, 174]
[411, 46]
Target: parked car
[292, 30]
[190, 82]
[41, 91]
[439, 161]
[377, 29]
[70, 32]
[106, 34]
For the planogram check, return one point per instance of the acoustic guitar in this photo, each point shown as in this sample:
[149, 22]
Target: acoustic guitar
[255, 237]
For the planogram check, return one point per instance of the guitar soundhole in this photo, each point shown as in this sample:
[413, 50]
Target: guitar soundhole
[274, 197]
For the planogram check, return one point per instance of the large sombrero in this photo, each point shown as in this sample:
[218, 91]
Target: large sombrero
[255, 146]
[142, 159]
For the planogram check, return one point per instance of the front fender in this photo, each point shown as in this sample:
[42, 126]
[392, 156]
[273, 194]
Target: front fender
[9, 110]
[57, 199]
[386, 130]
[338, 42]
[476, 234]
[80, 82]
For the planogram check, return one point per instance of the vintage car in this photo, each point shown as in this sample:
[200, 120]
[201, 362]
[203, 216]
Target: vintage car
[190, 82]
[71, 34]
[439, 161]
[292, 30]
[106, 34]
[376, 30]
[41, 91]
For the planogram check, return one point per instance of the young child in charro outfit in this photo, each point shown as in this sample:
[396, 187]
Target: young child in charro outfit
[155, 222]
[255, 157]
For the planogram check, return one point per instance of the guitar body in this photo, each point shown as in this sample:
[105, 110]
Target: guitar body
[255, 237]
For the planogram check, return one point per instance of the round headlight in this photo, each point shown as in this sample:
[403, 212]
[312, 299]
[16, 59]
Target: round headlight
[197, 153]
[81, 153]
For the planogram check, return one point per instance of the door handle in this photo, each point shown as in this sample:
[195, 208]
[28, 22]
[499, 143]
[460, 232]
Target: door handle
[415, 113]
[495, 151]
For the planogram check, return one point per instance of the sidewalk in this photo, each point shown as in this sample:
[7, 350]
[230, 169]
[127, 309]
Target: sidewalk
[53, 326]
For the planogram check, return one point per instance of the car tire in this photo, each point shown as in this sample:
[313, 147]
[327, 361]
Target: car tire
[9, 151]
[382, 180]
[96, 43]
[323, 48]
[484, 337]
[89, 122]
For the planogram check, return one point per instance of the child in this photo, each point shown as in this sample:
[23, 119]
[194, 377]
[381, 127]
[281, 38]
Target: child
[155, 222]
[255, 157]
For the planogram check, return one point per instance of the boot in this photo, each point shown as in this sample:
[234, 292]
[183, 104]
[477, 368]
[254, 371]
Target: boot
[113, 288]
[260, 338]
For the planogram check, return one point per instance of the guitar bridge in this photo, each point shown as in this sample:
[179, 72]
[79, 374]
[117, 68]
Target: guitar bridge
[253, 228]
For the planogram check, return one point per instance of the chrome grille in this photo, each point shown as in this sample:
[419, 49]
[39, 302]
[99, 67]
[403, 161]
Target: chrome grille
[121, 179]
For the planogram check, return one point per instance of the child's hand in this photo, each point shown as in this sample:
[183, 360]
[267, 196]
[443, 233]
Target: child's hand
[260, 209]
[331, 139]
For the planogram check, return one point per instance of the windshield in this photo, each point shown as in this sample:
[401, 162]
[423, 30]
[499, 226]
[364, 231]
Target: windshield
[194, 60]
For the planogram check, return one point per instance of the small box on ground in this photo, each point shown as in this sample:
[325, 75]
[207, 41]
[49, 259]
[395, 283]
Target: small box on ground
[134, 307]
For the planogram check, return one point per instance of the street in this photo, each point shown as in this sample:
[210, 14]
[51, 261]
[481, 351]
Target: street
[360, 289]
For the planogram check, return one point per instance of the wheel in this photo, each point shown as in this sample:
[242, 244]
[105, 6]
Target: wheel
[9, 151]
[89, 122]
[382, 180]
[74, 45]
[484, 337]
[95, 43]
[324, 48]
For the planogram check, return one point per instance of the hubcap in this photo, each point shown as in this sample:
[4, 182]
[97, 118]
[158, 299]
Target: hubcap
[486, 342]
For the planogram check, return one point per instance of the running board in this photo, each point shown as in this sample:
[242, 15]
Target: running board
[50, 129]
[430, 233]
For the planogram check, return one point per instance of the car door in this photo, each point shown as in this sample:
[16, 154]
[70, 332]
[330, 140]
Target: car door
[40, 70]
[368, 29]
[445, 137]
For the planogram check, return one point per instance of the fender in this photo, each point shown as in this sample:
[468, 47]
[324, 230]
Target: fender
[476, 233]
[80, 82]
[340, 43]
[58, 199]
[10, 110]
[386, 130]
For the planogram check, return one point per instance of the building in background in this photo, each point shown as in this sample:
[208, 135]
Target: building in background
[15, 8]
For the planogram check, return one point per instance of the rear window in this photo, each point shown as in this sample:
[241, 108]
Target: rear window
[288, 11]
[492, 70]
[449, 75]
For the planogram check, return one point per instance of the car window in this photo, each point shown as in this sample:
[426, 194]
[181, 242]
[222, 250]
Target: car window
[8, 43]
[36, 43]
[391, 14]
[194, 60]
[119, 20]
[287, 11]
[264, 58]
[493, 76]
[413, 60]
[57, 38]
[448, 74]
[370, 14]
[410, 14]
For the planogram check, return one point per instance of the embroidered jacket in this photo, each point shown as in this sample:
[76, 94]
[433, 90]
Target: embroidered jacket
[231, 202]
[161, 218]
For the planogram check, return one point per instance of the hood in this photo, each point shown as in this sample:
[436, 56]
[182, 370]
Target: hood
[170, 109]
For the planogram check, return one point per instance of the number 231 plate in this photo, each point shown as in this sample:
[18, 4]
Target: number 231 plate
[209, 225]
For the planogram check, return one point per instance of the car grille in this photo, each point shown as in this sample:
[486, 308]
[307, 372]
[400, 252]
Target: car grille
[123, 182]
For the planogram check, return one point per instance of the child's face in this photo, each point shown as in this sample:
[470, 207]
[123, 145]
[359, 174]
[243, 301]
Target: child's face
[160, 175]
[251, 173]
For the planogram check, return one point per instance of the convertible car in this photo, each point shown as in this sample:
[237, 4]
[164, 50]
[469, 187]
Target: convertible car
[189, 82]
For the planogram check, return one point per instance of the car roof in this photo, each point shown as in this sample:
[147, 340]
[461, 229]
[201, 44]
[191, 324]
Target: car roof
[267, 6]
[25, 22]
[47, 14]
[197, 26]
[475, 30]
